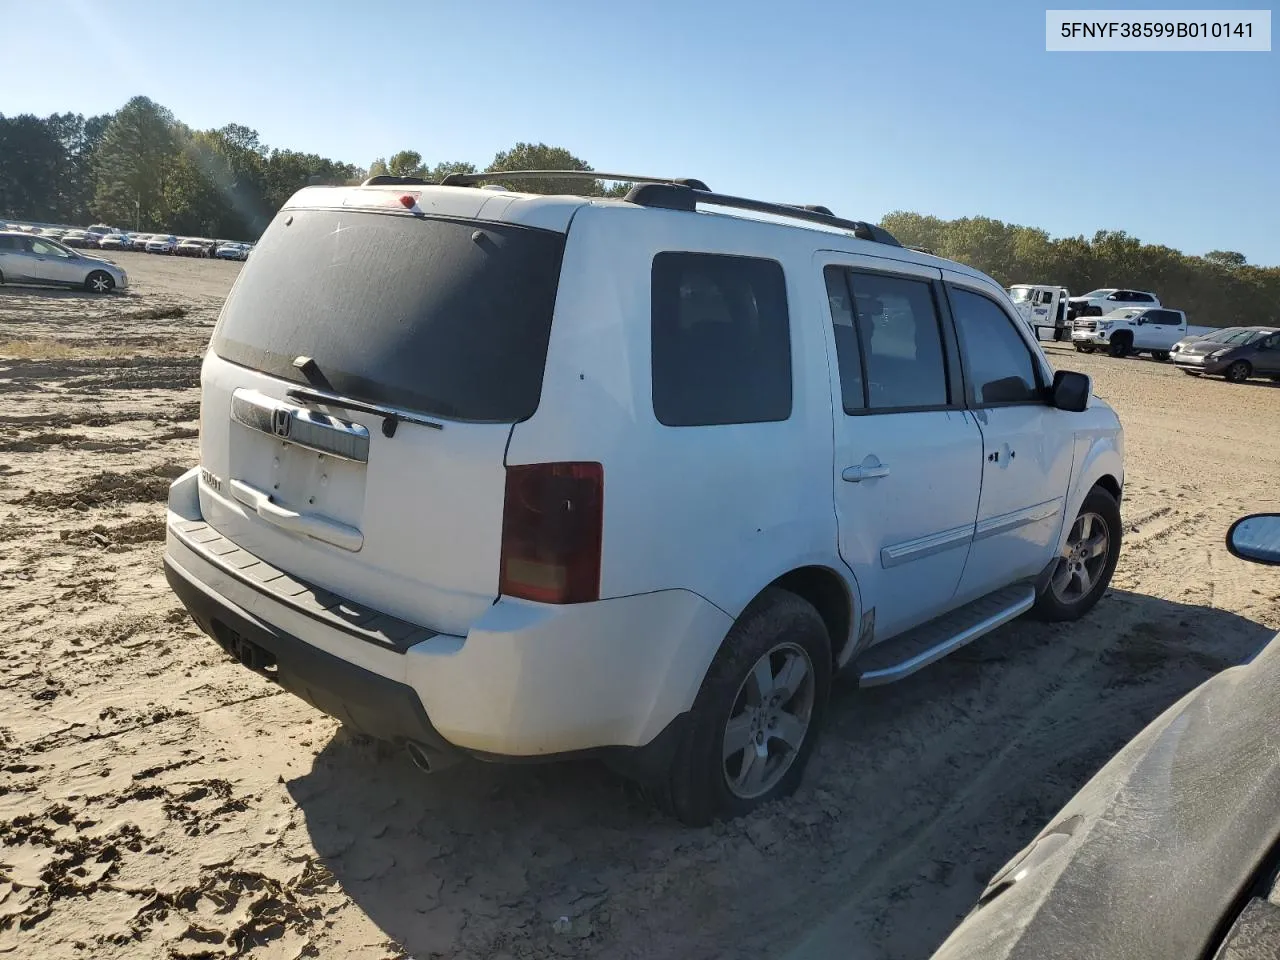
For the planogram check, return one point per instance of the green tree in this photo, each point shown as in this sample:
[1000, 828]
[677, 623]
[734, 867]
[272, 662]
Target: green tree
[443, 169]
[539, 156]
[406, 163]
[32, 163]
[137, 153]
[1226, 258]
[1219, 289]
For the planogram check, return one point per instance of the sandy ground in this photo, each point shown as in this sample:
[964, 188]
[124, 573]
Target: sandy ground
[157, 800]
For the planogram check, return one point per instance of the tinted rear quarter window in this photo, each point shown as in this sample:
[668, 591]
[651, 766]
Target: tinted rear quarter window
[721, 340]
[448, 317]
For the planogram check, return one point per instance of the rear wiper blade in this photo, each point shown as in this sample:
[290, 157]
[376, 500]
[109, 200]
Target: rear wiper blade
[390, 417]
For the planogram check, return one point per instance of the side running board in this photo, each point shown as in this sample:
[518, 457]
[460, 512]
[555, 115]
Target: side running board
[904, 655]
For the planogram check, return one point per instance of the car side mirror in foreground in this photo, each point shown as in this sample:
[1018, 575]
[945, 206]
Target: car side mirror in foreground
[1071, 391]
[1256, 538]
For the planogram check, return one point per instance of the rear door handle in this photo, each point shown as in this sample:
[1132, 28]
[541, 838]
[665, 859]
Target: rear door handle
[858, 474]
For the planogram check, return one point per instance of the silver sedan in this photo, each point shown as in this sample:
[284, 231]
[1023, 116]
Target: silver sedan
[29, 259]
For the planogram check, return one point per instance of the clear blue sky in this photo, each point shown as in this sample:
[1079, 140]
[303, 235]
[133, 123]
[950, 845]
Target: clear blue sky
[940, 107]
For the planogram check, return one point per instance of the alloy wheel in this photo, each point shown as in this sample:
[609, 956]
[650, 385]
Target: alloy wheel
[769, 721]
[1084, 557]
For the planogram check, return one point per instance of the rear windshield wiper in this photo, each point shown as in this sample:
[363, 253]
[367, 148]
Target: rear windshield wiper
[390, 418]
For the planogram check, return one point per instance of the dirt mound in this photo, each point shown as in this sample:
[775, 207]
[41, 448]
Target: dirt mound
[145, 485]
[142, 530]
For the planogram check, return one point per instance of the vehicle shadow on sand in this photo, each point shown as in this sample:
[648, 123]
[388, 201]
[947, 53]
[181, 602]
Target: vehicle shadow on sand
[919, 791]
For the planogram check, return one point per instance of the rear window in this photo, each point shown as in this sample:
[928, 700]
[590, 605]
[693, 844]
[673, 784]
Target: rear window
[446, 317]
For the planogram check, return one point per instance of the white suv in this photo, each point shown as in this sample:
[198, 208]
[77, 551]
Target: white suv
[516, 476]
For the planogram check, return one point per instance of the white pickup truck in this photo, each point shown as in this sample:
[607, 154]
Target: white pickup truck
[1152, 330]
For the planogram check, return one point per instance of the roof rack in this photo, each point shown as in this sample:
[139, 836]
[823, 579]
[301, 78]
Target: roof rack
[673, 196]
[468, 179]
[676, 193]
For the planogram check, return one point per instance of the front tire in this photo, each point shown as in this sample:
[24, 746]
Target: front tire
[1160, 356]
[1084, 347]
[756, 718]
[1121, 346]
[1086, 562]
[1238, 372]
[99, 282]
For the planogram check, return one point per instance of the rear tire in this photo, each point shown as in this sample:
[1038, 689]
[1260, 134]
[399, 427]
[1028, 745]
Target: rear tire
[1238, 372]
[1121, 345]
[99, 282]
[1085, 347]
[1087, 560]
[767, 690]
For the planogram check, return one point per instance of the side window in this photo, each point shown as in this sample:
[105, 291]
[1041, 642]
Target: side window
[721, 340]
[9, 243]
[1143, 298]
[1165, 316]
[848, 351]
[901, 342]
[42, 249]
[998, 364]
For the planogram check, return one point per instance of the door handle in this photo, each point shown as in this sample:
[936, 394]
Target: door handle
[858, 474]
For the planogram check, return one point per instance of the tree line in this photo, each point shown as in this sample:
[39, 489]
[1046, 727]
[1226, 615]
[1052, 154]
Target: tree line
[1219, 289]
[141, 168]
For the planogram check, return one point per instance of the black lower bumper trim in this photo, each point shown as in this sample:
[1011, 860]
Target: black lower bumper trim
[370, 703]
[361, 699]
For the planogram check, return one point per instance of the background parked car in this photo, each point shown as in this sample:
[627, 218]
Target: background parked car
[1106, 299]
[162, 244]
[100, 230]
[231, 251]
[75, 238]
[115, 241]
[31, 259]
[1237, 354]
[1172, 849]
[194, 247]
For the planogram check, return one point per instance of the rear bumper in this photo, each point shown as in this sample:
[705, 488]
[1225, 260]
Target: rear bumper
[528, 680]
[360, 698]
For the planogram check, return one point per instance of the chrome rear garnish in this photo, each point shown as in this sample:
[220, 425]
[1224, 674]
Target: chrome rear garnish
[298, 425]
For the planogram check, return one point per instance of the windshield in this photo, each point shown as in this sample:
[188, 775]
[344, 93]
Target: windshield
[407, 311]
[1122, 314]
[1098, 294]
[1020, 294]
[1234, 335]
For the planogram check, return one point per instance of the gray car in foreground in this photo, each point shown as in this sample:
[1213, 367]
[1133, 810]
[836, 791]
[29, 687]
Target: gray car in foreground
[1172, 850]
[30, 259]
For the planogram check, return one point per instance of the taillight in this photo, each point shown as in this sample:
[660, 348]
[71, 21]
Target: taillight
[552, 522]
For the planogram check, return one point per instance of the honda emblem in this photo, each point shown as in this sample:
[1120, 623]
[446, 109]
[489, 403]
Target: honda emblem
[281, 423]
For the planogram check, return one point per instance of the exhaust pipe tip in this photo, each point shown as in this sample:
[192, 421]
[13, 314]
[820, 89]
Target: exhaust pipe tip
[420, 757]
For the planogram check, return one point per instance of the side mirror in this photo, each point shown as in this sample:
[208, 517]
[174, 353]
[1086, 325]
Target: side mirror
[1071, 391]
[1256, 538]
